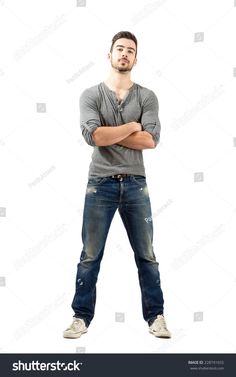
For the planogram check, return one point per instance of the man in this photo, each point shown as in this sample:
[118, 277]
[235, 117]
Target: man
[119, 118]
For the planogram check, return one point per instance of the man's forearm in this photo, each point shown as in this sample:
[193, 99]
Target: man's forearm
[138, 140]
[104, 136]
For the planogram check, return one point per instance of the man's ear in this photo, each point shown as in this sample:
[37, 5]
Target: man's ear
[135, 61]
[109, 56]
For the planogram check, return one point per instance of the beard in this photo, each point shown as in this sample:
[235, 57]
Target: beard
[119, 67]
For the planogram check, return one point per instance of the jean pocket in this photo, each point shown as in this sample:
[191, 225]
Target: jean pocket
[96, 181]
[139, 179]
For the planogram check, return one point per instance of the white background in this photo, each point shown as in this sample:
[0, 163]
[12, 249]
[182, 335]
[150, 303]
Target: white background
[50, 52]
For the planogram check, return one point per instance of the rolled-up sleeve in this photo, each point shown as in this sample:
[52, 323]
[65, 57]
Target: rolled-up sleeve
[150, 119]
[89, 116]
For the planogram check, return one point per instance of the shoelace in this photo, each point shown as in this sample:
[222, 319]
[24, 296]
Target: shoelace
[77, 324]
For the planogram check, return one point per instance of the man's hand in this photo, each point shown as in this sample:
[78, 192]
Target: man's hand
[108, 135]
[139, 140]
[138, 126]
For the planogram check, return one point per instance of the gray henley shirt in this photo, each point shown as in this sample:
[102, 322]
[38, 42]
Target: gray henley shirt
[100, 107]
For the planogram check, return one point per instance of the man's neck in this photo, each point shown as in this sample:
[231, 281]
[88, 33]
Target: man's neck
[119, 81]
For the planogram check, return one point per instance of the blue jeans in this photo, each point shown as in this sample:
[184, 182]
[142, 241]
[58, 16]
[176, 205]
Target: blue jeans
[103, 197]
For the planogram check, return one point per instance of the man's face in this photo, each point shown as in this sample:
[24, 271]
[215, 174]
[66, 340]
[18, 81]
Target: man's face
[122, 56]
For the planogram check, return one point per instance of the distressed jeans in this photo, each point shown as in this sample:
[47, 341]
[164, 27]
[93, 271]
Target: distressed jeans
[103, 197]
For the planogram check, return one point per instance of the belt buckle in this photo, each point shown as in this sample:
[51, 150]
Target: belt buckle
[118, 176]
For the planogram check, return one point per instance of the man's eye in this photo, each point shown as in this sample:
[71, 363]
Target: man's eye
[131, 51]
[119, 49]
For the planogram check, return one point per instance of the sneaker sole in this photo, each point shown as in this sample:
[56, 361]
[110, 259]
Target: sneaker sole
[74, 336]
[160, 336]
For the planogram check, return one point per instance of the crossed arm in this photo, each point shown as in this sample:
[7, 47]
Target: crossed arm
[129, 135]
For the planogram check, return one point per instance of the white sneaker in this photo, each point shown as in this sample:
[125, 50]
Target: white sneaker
[76, 329]
[159, 328]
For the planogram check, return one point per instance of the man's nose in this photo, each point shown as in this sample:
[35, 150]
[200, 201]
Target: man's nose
[124, 54]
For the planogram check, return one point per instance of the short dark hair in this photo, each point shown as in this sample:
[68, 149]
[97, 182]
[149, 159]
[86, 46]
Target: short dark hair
[124, 34]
